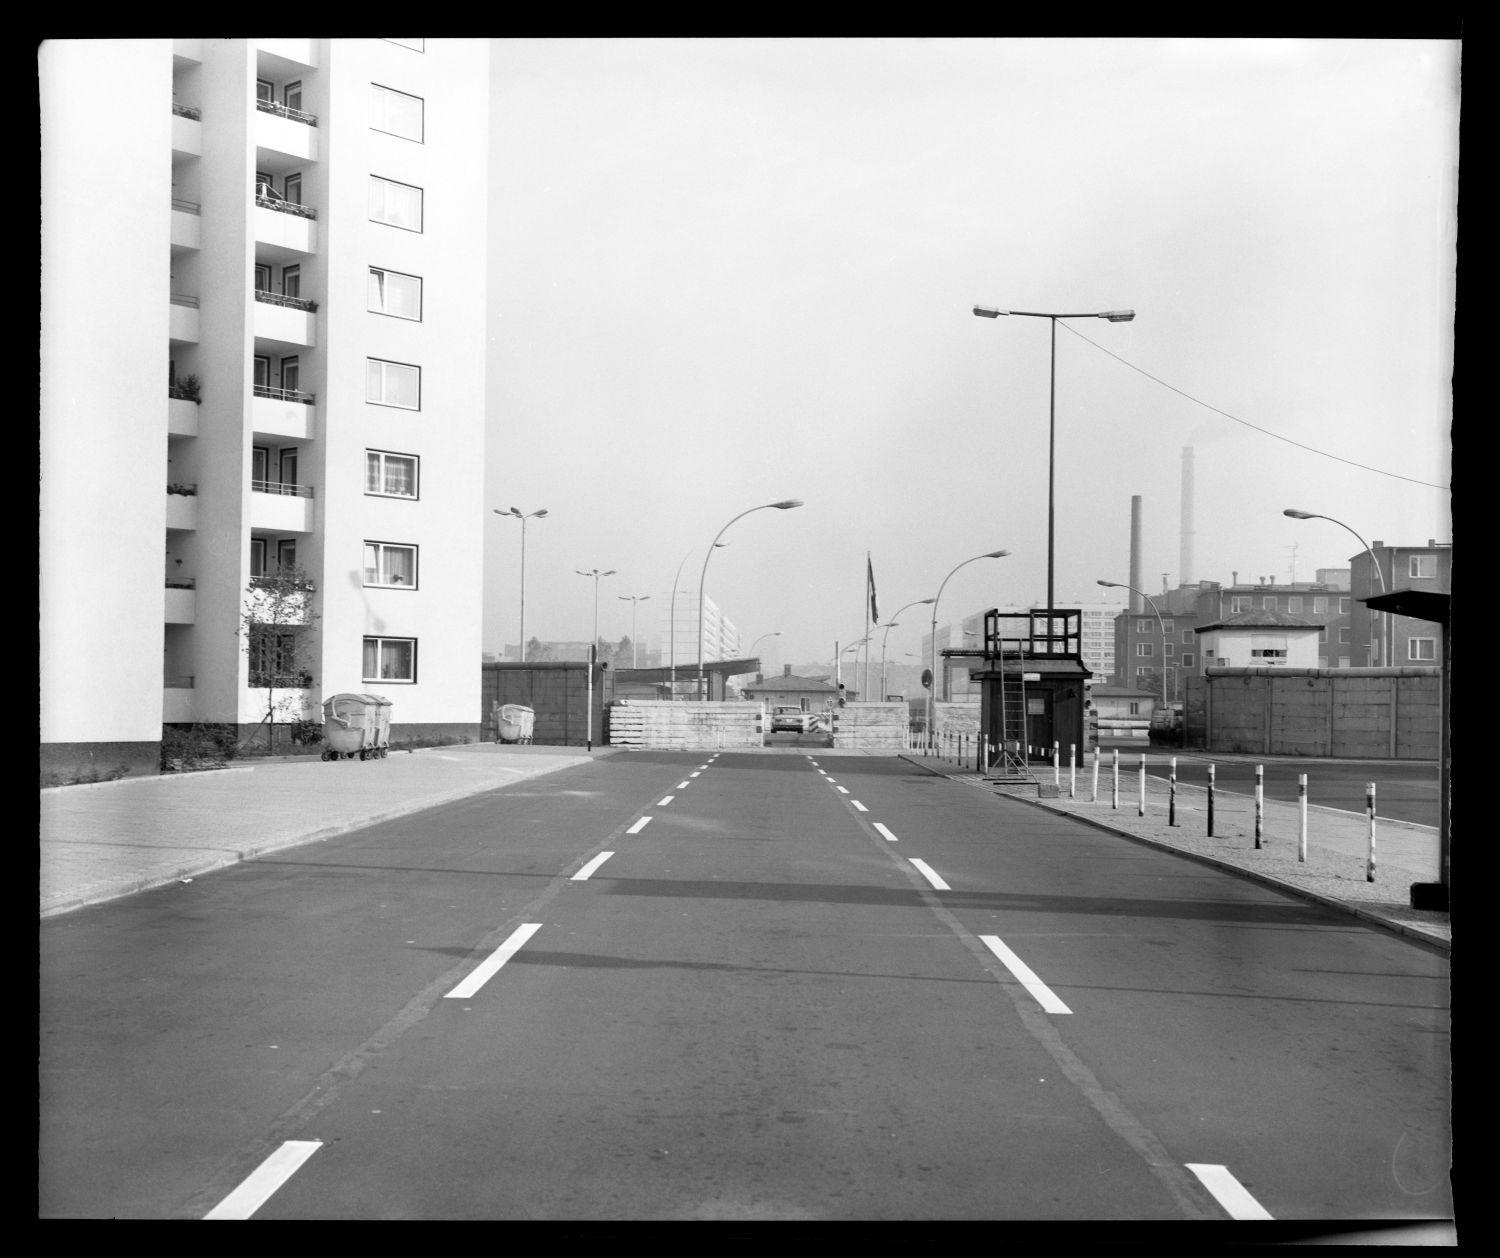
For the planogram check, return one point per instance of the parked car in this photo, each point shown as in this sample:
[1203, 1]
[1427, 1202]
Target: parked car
[792, 720]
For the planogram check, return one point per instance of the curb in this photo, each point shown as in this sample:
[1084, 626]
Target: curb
[1413, 934]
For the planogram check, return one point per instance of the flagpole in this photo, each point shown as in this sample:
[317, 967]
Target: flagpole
[869, 571]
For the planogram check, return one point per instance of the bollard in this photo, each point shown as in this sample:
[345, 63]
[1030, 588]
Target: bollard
[1302, 809]
[1072, 770]
[1115, 792]
[1095, 798]
[1172, 794]
[1140, 807]
[1210, 801]
[1056, 768]
[1370, 812]
[1260, 801]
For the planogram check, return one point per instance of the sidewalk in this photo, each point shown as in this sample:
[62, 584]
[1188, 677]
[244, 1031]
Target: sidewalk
[1334, 873]
[109, 839]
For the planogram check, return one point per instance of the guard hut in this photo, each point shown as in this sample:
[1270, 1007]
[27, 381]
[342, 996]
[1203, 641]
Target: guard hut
[1033, 689]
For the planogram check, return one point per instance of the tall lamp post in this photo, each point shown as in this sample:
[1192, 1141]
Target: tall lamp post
[1385, 651]
[932, 689]
[533, 515]
[891, 624]
[588, 659]
[787, 505]
[1120, 585]
[1114, 316]
[632, 599]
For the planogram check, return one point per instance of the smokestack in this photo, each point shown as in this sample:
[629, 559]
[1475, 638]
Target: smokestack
[1185, 553]
[1135, 552]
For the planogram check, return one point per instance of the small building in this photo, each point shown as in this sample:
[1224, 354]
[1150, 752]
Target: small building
[1260, 638]
[811, 694]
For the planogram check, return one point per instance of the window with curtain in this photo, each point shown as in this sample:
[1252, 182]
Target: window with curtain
[393, 384]
[395, 204]
[393, 293]
[391, 565]
[390, 659]
[392, 475]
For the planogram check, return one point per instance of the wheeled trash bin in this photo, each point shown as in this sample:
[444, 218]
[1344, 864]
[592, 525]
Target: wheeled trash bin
[513, 723]
[356, 725]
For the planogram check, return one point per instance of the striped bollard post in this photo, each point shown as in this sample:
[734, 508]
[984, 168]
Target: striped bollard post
[1210, 801]
[1172, 794]
[1370, 812]
[1095, 797]
[1072, 770]
[1260, 802]
[1302, 816]
[1056, 766]
[1140, 806]
[1114, 799]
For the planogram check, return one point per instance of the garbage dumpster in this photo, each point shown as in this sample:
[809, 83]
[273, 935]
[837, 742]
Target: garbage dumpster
[513, 723]
[356, 725]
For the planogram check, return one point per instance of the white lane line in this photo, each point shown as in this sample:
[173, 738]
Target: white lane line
[264, 1180]
[844, 790]
[639, 826]
[491, 964]
[885, 831]
[665, 800]
[703, 766]
[583, 874]
[682, 786]
[693, 774]
[930, 874]
[1043, 994]
[858, 805]
[1228, 1191]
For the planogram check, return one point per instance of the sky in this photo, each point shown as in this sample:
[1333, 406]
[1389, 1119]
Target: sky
[725, 273]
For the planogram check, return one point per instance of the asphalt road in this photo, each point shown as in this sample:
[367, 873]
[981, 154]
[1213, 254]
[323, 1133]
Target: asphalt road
[795, 988]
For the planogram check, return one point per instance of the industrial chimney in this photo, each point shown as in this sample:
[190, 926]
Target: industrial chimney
[1185, 552]
[1135, 552]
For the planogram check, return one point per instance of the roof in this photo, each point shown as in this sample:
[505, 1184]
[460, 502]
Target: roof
[787, 684]
[1261, 618]
[1120, 692]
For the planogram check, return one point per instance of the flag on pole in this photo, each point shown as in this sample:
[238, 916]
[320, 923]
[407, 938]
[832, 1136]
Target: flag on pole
[870, 585]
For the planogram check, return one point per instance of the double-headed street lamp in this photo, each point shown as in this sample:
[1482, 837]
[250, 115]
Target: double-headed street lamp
[1114, 316]
[1120, 585]
[596, 574]
[891, 624]
[932, 689]
[787, 505]
[1385, 654]
[632, 599]
[533, 515]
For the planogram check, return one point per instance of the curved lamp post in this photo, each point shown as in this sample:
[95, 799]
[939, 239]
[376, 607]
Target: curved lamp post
[1151, 603]
[633, 599]
[787, 505]
[532, 515]
[1385, 654]
[921, 602]
[672, 626]
[932, 689]
[588, 659]
[1114, 316]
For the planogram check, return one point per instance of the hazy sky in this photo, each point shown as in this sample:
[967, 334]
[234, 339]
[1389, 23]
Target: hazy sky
[729, 272]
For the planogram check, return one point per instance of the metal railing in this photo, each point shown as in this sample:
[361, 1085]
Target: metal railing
[281, 299]
[187, 207]
[284, 488]
[183, 395]
[284, 395]
[187, 111]
[286, 111]
[274, 201]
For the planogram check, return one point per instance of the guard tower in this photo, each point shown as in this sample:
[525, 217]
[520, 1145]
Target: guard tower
[1032, 689]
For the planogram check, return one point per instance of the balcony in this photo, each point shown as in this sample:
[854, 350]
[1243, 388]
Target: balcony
[182, 601]
[284, 225]
[182, 322]
[186, 224]
[289, 132]
[187, 132]
[182, 413]
[266, 607]
[182, 506]
[283, 413]
[285, 319]
[281, 508]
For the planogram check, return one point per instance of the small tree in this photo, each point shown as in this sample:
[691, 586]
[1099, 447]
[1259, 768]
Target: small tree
[276, 625]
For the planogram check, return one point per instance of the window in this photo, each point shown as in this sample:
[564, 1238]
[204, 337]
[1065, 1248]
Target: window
[1294, 604]
[291, 282]
[395, 113]
[1135, 707]
[390, 475]
[1343, 606]
[1240, 603]
[1187, 637]
[390, 565]
[1144, 649]
[1322, 633]
[257, 556]
[1343, 633]
[392, 293]
[1320, 606]
[286, 554]
[390, 659]
[396, 204]
[1269, 602]
[1422, 566]
[1271, 654]
[1167, 625]
[1144, 626]
[1166, 648]
[1421, 648]
[273, 658]
[262, 278]
[291, 373]
[1187, 659]
[393, 384]
[291, 96]
[1343, 661]
[262, 376]
[264, 90]
[294, 189]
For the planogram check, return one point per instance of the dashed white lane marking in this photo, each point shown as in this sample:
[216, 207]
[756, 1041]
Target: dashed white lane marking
[843, 790]
[858, 805]
[930, 874]
[682, 786]
[693, 774]
[583, 874]
[665, 800]
[702, 766]
[885, 831]
[491, 964]
[1228, 1191]
[1025, 976]
[639, 826]
[264, 1180]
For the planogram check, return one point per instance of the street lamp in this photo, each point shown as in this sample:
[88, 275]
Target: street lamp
[1114, 316]
[767, 506]
[633, 599]
[1120, 585]
[1385, 653]
[750, 654]
[932, 689]
[672, 626]
[534, 515]
[596, 574]
[921, 602]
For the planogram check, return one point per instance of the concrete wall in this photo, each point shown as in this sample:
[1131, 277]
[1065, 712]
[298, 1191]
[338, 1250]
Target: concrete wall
[1347, 713]
[877, 726]
[685, 726]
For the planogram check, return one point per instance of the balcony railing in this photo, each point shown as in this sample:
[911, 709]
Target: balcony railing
[182, 583]
[286, 111]
[281, 487]
[285, 395]
[280, 681]
[184, 393]
[268, 582]
[182, 299]
[187, 491]
[187, 207]
[281, 299]
[187, 111]
[274, 202]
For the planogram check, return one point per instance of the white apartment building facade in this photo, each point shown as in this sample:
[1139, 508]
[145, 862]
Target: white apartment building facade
[263, 348]
[676, 637]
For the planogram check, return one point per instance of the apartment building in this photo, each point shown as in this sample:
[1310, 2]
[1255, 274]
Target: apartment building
[263, 352]
[1394, 641]
[676, 638]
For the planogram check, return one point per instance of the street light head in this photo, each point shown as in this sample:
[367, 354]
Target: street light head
[540, 514]
[994, 554]
[989, 312]
[1300, 515]
[1111, 585]
[788, 504]
[1118, 316]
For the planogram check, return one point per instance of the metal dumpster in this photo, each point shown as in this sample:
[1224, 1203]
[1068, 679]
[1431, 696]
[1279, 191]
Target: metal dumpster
[514, 723]
[356, 725]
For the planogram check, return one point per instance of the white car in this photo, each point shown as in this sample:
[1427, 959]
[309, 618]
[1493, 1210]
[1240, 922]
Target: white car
[792, 720]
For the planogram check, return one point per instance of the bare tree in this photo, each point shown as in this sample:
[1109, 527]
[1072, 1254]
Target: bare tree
[276, 624]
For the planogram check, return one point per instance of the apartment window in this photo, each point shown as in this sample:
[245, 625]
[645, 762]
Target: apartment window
[393, 384]
[1343, 606]
[390, 565]
[1344, 661]
[390, 659]
[395, 113]
[1167, 625]
[1135, 707]
[1271, 654]
[391, 475]
[1343, 633]
[262, 278]
[265, 90]
[1144, 649]
[1187, 637]
[258, 555]
[1187, 659]
[273, 658]
[392, 293]
[291, 282]
[1320, 606]
[293, 187]
[1294, 604]
[1422, 567]
[1421, 648]
[286, 552]
[1144, 626]
[291, 96]
[1166, 648]
[1322, 633]
[1269, 602]
[291, 373]
[395, 204]
[1240, 603]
